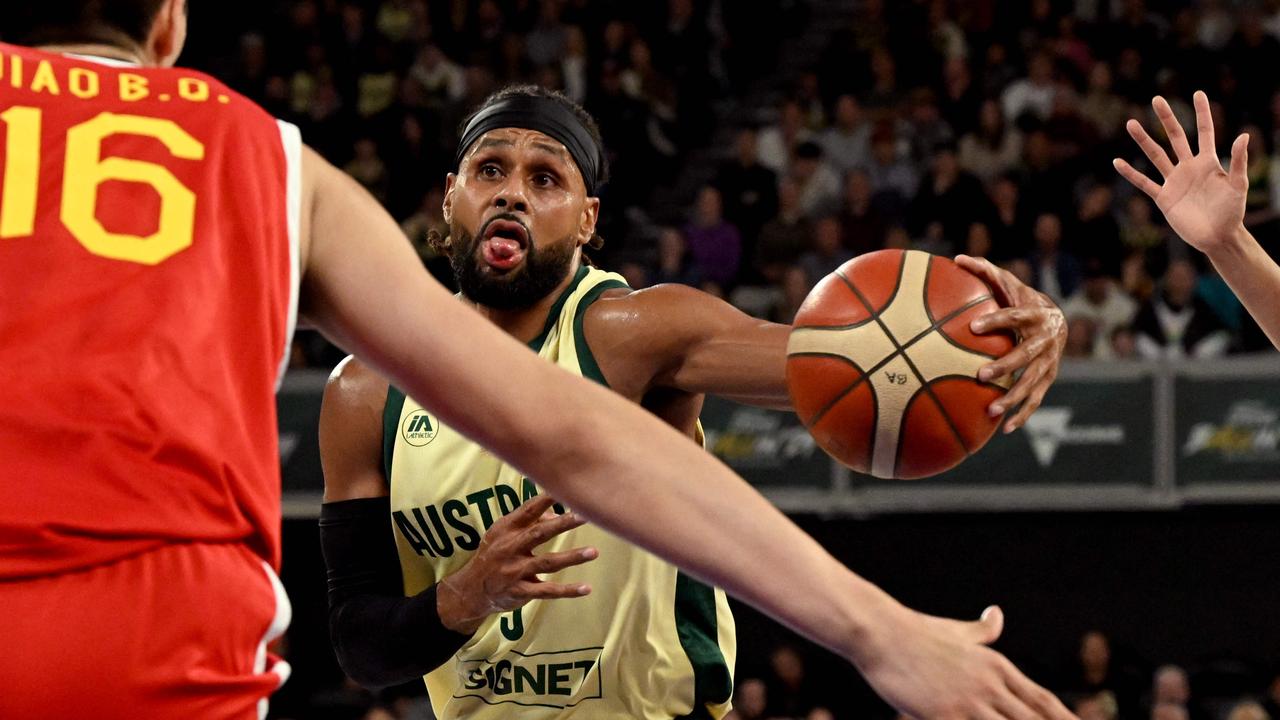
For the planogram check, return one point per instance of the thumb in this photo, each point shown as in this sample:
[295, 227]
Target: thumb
[1240, 161]
[988, 628]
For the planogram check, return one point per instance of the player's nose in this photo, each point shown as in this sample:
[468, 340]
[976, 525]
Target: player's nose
[511, 197]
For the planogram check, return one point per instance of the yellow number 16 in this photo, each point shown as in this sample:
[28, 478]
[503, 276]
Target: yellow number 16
[86, 170]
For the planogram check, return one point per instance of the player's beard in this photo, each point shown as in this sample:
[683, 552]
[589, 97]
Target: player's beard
[541, 272]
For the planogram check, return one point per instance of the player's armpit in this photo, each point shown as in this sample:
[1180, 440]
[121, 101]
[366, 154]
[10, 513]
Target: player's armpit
[351, 433]
[682, 338]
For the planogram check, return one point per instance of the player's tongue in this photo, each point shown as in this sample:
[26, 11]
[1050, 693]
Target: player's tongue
[501, 247]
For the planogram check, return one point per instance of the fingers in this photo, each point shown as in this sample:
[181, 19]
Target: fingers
[988, 628]
[1011, 706]
[1044, 703]
[1031, 405]
[1150, 148]
[1204, 124]
[1137, 179]
[1036, 367]
[1172, 128]
[555, 562]
[546, 529]
[530, 590]
[986, 270]
[529, 512]
[1240, 162]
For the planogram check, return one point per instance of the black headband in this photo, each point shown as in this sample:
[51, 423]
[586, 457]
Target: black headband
[549, 117]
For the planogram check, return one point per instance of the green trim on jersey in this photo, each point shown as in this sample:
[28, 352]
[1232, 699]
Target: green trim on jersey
[390, 426]
[586, 359]
[553, 316]
[696, 625]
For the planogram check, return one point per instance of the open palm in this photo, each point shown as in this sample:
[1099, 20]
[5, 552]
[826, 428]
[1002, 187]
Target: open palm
[1203, 203]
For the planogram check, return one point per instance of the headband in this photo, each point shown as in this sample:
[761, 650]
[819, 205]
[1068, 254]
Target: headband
[547, 116]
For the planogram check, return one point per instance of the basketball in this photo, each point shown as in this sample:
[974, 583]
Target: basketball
[883, 369]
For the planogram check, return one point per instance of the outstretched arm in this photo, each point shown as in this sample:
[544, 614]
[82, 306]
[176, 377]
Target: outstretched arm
[697, 343]
[627, 471]
[1205, 204]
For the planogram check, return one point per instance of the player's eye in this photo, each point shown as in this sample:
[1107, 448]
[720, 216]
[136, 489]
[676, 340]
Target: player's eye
[489, 170]
[544, 180]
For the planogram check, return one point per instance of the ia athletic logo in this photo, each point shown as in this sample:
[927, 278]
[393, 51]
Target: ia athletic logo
[419, 428]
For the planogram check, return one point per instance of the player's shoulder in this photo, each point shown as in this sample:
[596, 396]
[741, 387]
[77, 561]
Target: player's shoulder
[354, 388]
[647, 313]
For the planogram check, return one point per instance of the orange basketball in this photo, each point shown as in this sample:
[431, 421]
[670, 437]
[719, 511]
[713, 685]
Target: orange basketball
[883, 368]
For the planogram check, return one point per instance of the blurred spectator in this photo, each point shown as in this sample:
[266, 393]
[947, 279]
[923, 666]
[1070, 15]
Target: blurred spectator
[821, 713]
[1101, 301]
[1248, 710]
[573, 65]
[960, 96]
[847, 143]
[750, 700]
[674, 264]
[891, 171]
[440, 79]
[992, 149]
[828, 252]
[1123, 345]
[785, 237]
[790, 692]
[1096, 671]
[864, 224]
[1103, 108]
[1032, 94]
[1099, 706]
[1174, 323]
[1082, 333]
[749, 189]
[1096, 235]
[714, 243]
[778, 141]
[949, 196]
[1056, 272]
[1010, 228]
[927, 128]
[368, 169]
[1169, 711]
[819, 185]
[1169, 684]
[547, 40]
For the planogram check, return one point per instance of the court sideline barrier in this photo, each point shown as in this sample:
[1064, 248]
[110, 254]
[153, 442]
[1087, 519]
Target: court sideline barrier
[1109, 436]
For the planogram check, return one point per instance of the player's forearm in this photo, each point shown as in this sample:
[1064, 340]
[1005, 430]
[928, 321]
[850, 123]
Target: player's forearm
[746, 365]
[1254, 277]
[664, 493]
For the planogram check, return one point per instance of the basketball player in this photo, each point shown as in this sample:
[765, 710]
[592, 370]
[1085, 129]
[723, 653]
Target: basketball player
[428, 546]
[1204, 205]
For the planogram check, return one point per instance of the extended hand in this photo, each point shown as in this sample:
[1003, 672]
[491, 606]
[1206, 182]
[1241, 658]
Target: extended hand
[503, 574]
[1039, 323]
[1202, 202]
[940, 669]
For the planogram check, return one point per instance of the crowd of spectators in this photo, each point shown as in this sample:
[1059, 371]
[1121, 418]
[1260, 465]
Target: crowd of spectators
[988, 129]
[1094, 684]
[971, 127]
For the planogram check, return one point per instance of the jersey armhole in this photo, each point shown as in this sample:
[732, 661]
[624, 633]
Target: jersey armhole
[586, 359]
[291, 141]
[391, 412]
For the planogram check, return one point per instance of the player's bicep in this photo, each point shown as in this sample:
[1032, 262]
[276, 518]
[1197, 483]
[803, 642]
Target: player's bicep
[351, 433]
[706, 345]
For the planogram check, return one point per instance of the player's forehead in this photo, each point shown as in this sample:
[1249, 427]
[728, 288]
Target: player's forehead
[522, 140]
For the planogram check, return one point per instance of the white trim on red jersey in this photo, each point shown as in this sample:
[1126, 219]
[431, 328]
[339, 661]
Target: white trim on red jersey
[292, 140]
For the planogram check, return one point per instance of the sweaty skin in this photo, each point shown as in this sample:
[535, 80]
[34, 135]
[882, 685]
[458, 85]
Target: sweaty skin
[364, 287]
[664, 348]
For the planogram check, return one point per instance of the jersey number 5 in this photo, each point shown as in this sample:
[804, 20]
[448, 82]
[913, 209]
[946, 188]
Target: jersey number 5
[86, 170]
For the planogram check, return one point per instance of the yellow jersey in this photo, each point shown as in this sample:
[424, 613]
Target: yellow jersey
[648, 643]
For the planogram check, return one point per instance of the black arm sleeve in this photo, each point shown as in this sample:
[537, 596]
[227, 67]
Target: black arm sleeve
[380, 636]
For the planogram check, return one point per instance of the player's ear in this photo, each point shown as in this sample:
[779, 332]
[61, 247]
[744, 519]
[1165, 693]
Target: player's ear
[449, 181]
[587, 225]
[168, 33]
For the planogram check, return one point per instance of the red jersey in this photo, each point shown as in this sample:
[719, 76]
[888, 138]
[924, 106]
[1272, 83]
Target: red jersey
[149, 225]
